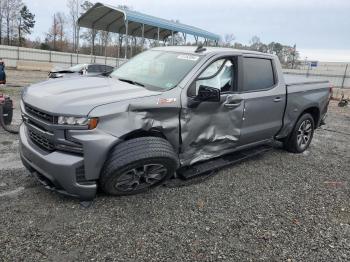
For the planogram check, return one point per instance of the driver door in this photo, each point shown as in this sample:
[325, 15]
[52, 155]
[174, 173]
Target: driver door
[211, 128]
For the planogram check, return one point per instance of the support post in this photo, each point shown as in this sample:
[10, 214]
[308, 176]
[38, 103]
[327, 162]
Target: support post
[106, 42]
[131, 45]
[143, 37]
[158, 36]
[126, 38]
[93, 44]
[77, 43]
[172, 37]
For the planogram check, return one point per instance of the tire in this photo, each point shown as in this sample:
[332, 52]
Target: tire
[300, 138]
[8, 118]
[137, 165]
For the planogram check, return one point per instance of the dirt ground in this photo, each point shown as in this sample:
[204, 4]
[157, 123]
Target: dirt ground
[275, 207]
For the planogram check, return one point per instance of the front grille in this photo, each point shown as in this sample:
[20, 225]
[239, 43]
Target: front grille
[80, 174]
[41, 141]
[39, 114]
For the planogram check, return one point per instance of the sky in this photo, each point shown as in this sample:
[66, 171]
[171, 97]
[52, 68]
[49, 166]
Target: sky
[319, 28]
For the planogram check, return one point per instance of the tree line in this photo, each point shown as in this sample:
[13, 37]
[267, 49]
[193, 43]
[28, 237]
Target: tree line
[288, 55]
[17, 22]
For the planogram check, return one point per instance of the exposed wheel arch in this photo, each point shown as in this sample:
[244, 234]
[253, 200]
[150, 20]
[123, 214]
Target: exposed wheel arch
[144, 133]
[314, 112]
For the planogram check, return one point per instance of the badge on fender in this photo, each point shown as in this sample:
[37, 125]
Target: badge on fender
[164, 101]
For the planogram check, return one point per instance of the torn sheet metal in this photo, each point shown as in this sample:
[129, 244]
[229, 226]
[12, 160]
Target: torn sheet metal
[208, 131]
[158, 112]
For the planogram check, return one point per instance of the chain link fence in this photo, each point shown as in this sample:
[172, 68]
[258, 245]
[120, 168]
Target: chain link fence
[337, 73]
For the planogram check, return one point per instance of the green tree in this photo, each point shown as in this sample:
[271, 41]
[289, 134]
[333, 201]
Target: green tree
[26, 23]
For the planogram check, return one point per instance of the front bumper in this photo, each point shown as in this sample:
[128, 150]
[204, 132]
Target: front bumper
[56, 170]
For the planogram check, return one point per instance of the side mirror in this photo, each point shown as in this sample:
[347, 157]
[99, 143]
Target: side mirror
[207, 93]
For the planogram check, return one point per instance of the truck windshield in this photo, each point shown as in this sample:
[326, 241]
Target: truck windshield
[156, 70]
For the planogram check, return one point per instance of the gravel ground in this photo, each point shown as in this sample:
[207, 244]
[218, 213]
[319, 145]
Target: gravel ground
[275, 207]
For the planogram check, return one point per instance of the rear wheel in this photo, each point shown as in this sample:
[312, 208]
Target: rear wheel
[301, 136]
[138, 165]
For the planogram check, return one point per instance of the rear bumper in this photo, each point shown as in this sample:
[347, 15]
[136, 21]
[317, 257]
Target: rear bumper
[56, 170]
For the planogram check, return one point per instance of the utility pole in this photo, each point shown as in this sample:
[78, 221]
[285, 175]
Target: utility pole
[346, 69]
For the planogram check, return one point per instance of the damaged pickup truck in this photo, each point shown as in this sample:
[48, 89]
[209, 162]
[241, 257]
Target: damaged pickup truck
[166, 109]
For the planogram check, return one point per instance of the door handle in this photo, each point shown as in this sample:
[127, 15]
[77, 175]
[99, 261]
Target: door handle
[232, 104]
[233, 101]
[277, 99]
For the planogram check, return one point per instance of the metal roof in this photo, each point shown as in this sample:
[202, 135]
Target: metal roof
[112, 19]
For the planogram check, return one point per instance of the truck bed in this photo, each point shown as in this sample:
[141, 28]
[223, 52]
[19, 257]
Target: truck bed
[301, 80]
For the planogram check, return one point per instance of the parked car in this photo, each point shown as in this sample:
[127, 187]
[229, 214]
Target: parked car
[82, 69]
[165, 110]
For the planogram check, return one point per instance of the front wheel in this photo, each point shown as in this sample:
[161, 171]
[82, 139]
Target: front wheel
[138, 165]
[301, 136]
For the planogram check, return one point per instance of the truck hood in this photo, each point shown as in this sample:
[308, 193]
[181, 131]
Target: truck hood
[78, 96]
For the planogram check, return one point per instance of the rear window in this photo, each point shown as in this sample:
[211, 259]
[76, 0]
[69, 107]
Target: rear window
[258, 74]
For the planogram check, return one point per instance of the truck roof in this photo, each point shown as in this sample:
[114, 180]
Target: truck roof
[208, 50]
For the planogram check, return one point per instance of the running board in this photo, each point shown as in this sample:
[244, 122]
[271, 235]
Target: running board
[209, 166]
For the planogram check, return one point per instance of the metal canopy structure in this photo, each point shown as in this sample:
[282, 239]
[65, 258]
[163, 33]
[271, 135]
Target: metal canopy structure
[131, 23]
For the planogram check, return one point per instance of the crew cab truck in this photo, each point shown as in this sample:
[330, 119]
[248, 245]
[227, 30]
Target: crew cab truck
[165, 109]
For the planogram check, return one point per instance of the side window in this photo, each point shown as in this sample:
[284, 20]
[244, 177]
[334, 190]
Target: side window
[93, 69]
[108, 69]
[258, 74]
[217, 75]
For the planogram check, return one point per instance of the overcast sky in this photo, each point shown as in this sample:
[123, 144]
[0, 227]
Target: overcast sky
[319, 28]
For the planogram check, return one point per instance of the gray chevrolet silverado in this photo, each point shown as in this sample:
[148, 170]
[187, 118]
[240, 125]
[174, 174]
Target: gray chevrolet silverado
[166, 109]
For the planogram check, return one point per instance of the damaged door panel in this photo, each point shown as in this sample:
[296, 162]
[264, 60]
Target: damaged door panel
[210, 128]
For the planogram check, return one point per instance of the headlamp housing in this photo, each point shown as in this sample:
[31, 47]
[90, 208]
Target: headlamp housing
[91, 123]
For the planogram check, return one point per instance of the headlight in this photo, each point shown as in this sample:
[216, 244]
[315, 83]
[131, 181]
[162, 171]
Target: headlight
[78, 121]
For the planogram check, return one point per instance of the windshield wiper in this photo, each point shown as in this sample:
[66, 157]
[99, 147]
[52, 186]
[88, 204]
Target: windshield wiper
[131, 82]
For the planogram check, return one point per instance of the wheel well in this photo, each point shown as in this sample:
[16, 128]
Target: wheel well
[315, 112]
[144, 133]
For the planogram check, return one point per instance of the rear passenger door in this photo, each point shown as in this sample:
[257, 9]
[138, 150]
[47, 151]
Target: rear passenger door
[264, 100]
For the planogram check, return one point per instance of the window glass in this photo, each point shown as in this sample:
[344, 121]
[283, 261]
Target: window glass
[94, 69]
[217, 75]
[108, 69]
[157, 70]
[258, 74]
